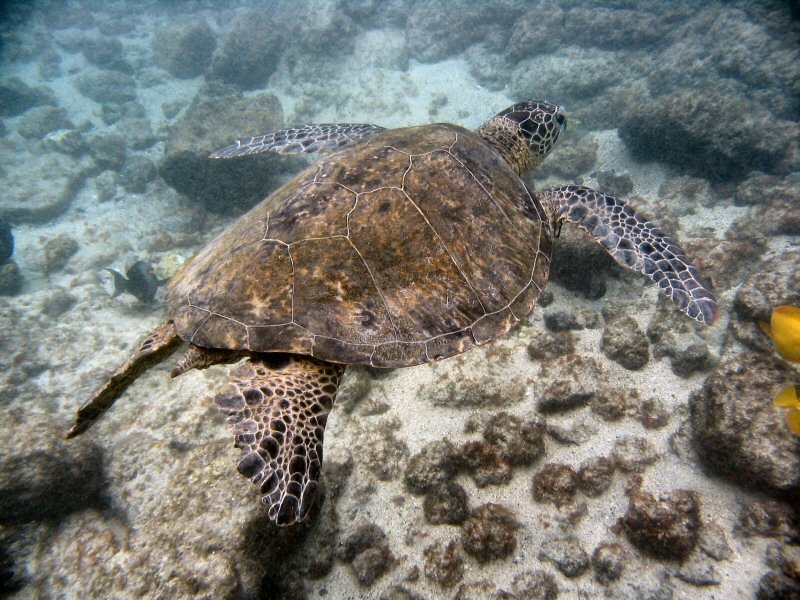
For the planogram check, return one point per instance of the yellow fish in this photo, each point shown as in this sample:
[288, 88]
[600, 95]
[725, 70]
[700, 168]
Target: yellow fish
[788, 399]
[784, 329]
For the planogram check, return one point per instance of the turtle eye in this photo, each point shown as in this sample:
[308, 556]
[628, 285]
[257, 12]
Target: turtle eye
[560, 119]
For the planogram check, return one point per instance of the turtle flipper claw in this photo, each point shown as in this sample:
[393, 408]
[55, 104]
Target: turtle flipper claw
[277, 409]
[635, 243]
[299, 140]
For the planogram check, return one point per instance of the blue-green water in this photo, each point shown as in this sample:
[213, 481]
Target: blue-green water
[607, 446]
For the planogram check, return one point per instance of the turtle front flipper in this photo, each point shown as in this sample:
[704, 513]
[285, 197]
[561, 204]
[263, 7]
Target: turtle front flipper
[634, 243]
[156, 347]
[278, 407]
[299, 140]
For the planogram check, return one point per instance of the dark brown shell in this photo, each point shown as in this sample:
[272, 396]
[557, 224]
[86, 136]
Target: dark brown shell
[410, 247]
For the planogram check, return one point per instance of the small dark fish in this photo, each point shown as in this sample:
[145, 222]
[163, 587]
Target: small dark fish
[141, 281]
[6, 242]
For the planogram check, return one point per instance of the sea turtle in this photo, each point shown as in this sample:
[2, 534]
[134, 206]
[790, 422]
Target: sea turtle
[400, 247]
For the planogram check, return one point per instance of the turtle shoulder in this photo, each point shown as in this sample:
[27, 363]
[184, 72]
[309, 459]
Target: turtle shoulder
[411, 246]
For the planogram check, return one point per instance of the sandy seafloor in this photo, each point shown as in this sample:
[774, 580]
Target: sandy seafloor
[166, 515]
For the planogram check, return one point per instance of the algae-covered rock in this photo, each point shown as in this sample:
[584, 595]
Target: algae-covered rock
[737, 430]
[184, 49]
[212, 121]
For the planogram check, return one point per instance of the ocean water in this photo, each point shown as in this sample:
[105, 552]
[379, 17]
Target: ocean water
[606, 446]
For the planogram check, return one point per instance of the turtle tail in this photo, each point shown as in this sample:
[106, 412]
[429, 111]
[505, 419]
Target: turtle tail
[157, 346]
[634, 243]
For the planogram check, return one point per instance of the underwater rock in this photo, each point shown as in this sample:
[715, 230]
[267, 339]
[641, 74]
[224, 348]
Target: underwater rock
[432, 466]
[777, 585]
[106, 53]
[625, 343]
[557, 320]
[16, 96]
[10, 574]
[613, 183]
[774, 204]
[757, 188]
[354, 389]
[695, 357]
[516, 441]
[555, 483]
[608, 562]
[383, 453]
[483, 464]
[136, 173]
[612, 404]
[575, 157]
[57, 302]
[106, 87]
[482, 589]
[184, 49]
[575, 382]
[596, 475]
[247, 56]
[489, 533]
[400, 592]
[590, 76]
[470, 388]
[736, 429]
[66, 141]
[441, 29]
[704, 134]
[768, 518]
[445, 504]
[444, 564]
[632, 453]
[214, 120]
[58, 251]
[6, 241]
[653, 414]
[681, 195]
[49, 480]
[367, 552]
[41, 120]
[372, 564]
[136, 129]
[713, 541]
[10, 278]
[773, 282]
[108, 150]
[534, 585]
[545, 344]
[566, 554]
[666, 526]
[699, 571]
[582, 266]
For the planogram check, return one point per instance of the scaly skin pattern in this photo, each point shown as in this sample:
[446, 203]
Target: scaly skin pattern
[278, 408]
[303, 139]
[635, 243]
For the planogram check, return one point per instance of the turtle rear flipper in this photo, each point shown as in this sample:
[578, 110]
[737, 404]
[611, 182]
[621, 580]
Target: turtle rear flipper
[278, 407]
[299, 140]
[634, 243]
[156, 347]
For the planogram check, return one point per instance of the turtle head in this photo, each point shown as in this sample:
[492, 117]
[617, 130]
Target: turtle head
[525, 133]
